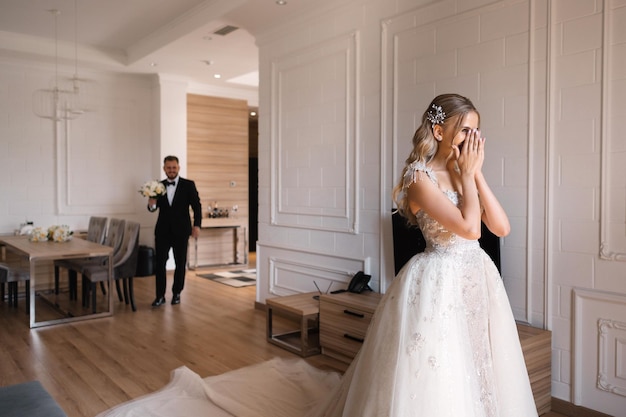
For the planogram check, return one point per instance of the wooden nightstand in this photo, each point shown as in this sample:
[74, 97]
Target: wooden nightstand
[344, 319]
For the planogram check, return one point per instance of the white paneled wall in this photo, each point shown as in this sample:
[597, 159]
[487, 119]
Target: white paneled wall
[64, 172]
[548, 79]
[314, 170]
[586, 233]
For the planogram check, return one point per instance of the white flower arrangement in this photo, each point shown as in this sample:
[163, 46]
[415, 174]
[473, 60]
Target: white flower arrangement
[60, 233]
[152, 189]
[54, 233]
[38, 234]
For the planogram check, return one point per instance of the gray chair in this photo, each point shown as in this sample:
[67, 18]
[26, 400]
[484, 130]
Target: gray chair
[96, 232]
[12, 275]
[124, 267]
[113, 239]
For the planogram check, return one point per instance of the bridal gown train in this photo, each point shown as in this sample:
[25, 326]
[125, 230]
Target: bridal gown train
[443, 341]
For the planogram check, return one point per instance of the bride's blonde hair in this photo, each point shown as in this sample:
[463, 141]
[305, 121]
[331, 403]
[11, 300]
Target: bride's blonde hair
[444, 109]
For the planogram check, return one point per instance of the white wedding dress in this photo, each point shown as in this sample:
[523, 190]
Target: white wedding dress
[443, 341]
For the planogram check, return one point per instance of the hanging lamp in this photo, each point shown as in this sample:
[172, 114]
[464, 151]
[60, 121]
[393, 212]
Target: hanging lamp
[85, 90]
[54, 103]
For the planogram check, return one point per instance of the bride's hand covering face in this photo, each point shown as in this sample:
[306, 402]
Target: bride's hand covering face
[467, 144]
[470, 152]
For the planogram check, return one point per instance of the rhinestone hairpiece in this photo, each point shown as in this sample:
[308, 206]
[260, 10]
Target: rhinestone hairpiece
[436, 115]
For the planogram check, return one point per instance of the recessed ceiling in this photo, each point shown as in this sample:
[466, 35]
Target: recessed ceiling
[175, 37]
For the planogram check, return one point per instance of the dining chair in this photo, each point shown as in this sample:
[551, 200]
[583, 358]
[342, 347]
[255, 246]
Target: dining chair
[113, 239]
[12, 275]
[124, 267]
[96, 232]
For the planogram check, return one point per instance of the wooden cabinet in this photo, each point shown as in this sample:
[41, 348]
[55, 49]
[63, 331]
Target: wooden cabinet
[344, 319]
[537, 349]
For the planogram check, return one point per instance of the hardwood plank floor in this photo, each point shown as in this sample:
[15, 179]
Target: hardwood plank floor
[93, 365]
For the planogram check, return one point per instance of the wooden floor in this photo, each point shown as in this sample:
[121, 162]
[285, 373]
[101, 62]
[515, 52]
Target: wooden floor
[93, 365]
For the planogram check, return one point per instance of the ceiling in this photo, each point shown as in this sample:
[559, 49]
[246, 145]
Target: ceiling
[173, 37]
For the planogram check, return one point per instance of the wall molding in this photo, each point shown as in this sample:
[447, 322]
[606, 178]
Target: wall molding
[285, 127]
[71, 198]
[285, 272]
[612, 335]
[598, 332]
[95, 169]
[293, 270]
[612, 236]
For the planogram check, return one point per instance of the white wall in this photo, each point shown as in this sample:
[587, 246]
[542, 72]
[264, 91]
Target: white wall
[587, 204]
[63, 172]
[344, 86]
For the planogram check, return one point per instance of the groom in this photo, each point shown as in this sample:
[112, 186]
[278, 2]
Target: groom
[173, 227]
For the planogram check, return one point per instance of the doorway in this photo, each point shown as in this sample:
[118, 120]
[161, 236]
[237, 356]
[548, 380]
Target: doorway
[253, 179]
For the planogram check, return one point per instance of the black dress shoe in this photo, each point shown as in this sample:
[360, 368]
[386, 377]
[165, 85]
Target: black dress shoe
[176, 299]
[159, 301]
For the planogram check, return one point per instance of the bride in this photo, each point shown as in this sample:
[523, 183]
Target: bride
[443, 341]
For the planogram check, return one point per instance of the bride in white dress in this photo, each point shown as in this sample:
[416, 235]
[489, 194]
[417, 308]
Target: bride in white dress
[443, 341]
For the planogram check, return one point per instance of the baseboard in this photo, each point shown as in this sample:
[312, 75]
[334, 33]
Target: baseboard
[571, 410]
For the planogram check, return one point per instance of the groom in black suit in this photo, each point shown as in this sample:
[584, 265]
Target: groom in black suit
[173, 227]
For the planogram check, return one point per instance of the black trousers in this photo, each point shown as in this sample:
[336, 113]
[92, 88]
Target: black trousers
[179, 248]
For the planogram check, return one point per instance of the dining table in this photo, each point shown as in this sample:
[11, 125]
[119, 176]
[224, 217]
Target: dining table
[41, 251]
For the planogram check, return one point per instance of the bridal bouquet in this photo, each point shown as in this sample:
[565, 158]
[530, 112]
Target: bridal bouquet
[152, 189]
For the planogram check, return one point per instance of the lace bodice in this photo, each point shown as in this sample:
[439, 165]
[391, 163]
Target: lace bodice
[435, 234]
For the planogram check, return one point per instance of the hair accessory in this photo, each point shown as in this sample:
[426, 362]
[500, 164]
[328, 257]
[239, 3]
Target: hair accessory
[436, 116]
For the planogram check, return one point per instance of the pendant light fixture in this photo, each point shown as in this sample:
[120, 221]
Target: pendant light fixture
[54, 103]
[75, 95]
[85, 90]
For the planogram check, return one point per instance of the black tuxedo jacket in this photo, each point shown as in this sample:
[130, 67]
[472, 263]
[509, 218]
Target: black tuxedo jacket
[175, 220]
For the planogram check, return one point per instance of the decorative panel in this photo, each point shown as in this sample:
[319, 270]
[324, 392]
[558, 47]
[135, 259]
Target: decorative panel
[612, 356]
[315, 180]
[599, 331]
[613, 216]
[295, 271]
[97, 169]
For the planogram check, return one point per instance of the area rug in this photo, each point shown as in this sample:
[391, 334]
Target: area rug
[28, 399]
[240, 278]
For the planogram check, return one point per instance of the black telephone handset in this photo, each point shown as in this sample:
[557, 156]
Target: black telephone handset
[359, 283]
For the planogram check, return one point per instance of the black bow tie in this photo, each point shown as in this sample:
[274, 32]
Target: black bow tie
[171, 183]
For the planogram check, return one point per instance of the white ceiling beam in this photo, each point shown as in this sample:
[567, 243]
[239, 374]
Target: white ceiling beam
[189, 21]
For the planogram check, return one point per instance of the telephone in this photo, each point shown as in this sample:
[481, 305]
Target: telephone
[359, 282]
